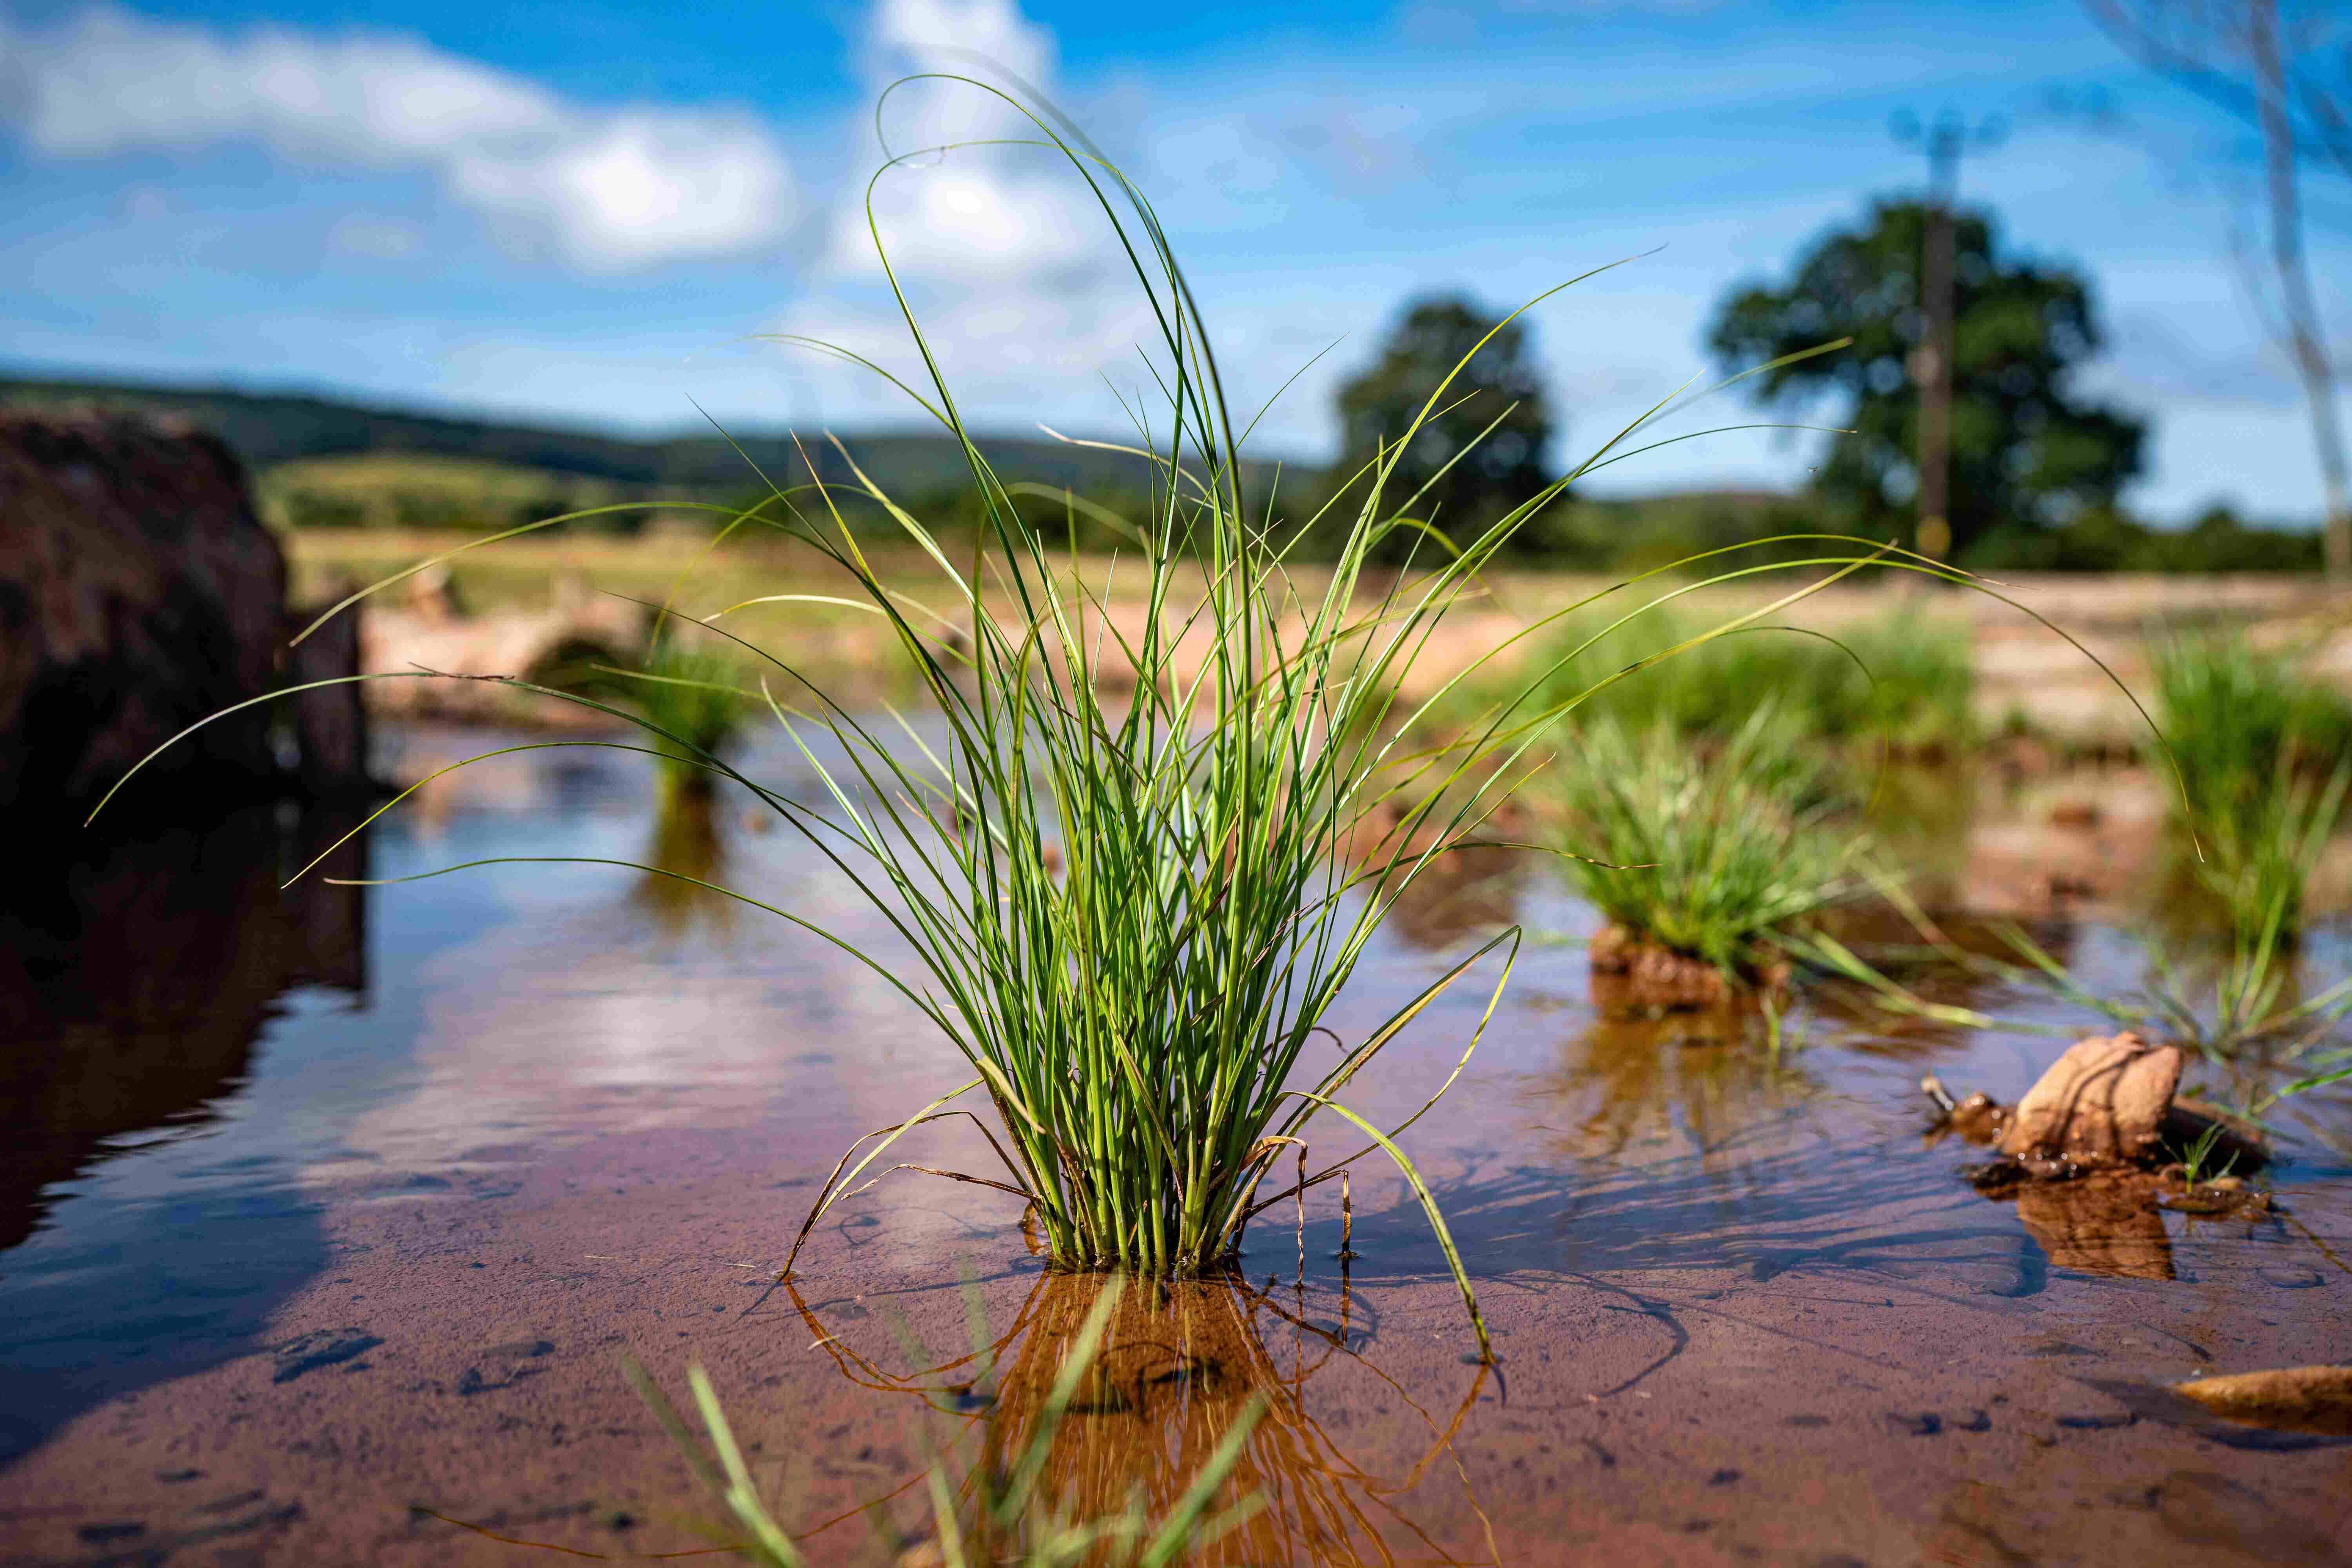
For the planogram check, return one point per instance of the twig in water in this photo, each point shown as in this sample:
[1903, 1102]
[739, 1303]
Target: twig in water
[1347, 1220]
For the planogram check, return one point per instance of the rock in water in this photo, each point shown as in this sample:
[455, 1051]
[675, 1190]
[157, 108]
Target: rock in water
[138, 594]
[2101, 1103]
[2294, 1398]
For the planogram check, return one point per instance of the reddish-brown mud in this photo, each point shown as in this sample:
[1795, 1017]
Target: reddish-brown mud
[1743, 1314]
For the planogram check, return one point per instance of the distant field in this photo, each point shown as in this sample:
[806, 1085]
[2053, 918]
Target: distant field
[2022, 668]
[394, 489]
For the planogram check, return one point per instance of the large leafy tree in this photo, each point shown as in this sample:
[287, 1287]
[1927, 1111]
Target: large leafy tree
[2028, 452]
[1498, 472]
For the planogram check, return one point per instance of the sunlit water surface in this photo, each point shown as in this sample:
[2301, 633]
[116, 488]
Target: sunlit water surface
[330, 1213]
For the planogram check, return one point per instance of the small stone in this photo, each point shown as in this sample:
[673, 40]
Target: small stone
[2296, 1398]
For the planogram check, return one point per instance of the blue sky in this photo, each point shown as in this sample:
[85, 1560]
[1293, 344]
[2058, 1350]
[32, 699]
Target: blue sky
[593, 212]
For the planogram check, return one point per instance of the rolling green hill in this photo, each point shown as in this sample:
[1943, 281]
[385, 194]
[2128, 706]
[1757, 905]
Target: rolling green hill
[269, 429]
[321, 461]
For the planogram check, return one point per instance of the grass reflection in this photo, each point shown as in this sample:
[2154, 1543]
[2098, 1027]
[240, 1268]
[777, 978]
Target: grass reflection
[1693, 1079]
[684, 856]
[1181, 1363]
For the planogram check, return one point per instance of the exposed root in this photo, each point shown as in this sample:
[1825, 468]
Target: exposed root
[1633, 971]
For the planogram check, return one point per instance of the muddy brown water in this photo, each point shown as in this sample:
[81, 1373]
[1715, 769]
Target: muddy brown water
[329, 1218]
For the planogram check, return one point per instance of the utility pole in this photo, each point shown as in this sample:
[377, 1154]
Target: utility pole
[1932, 360]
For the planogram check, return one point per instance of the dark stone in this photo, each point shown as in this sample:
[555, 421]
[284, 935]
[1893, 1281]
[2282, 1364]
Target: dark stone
[139, 596]
[330, 723]
[144, 594]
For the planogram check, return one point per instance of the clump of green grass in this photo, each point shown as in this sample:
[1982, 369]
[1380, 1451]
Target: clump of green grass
[2262, 745]
[2239, 715]
[1905, 684]
[2262, 857]
[691, 700]
[2201, 1159]
[1707, 852]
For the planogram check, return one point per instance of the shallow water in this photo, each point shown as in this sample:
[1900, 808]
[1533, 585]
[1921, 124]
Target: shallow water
[328, 1217]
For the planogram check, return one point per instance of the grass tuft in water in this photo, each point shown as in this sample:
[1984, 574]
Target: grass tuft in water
[2244, 1002]
[1711, 851]
[692, 700]
[2263, 854]
[2238, 716]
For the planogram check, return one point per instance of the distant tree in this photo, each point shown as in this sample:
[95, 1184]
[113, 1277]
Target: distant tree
[2025, 449]
[2105, 541]
[1501, 471]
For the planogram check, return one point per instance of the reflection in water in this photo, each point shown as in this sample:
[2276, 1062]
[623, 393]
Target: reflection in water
[1703, 1078]
[2099, 1227]
[135, 977]
[686, 841]
[1181, 1362]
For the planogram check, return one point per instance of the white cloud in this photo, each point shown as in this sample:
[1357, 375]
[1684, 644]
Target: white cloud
[610, 187]
[982, 38]
[1007, 257]
[980, 215]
